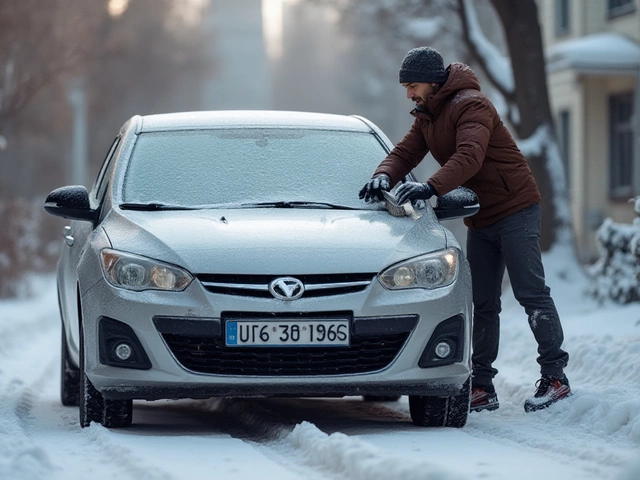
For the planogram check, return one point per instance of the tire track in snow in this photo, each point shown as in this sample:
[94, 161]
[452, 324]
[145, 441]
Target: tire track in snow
[37, 434]
[540, 435]
[29, 395]
[246, 421]
[23, 369]
[120, 458]
[42, 414]
[274, 427]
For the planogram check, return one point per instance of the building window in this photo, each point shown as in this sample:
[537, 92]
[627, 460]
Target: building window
[564, 136]
[562, 17]
[621, 139]
[615, 8]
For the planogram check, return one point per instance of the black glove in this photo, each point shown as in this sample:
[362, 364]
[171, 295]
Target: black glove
[372, 190]
[414, 191]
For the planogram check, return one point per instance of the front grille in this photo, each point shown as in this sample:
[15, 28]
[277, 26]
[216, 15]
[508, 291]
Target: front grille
[258, 285]
[210, 355]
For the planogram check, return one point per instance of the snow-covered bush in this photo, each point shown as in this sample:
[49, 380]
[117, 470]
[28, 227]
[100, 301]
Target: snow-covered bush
[616, 274]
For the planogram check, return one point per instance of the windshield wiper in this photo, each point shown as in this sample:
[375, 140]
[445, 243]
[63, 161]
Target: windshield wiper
[284, 204]
[157, 206]
[153, 206]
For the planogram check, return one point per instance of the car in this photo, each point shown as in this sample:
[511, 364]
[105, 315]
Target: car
[227, 254]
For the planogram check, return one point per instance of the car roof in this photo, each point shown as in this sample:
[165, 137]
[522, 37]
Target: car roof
[249, 118]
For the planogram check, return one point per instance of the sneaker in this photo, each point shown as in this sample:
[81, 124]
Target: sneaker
[482, 399]
[548, 390]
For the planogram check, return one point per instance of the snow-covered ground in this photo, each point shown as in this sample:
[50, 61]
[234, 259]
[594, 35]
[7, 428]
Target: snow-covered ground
[595, 434]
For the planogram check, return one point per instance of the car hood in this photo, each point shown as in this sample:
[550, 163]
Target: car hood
[280, 241]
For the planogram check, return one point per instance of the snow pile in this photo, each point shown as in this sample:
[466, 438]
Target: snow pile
[616, 273]
[357, 459]
[608, 411]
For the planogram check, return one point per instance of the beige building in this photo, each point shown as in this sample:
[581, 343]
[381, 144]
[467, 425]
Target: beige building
[593, 75]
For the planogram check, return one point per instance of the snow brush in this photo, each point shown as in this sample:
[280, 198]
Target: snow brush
[392, 206]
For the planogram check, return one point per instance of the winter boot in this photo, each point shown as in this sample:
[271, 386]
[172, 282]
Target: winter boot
[483, 398]
[548, 390]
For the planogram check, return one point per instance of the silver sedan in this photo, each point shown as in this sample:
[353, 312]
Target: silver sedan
[228, 254]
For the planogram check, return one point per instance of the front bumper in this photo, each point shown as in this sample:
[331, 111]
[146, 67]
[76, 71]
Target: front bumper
[316, 389]
[161, 320]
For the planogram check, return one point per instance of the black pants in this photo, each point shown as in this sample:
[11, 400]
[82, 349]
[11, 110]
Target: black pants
[514, 243]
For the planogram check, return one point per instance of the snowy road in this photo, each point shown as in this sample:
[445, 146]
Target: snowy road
[595, 434]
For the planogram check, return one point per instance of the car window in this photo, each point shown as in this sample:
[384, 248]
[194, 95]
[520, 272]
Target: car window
[251, 165]
[102, 179]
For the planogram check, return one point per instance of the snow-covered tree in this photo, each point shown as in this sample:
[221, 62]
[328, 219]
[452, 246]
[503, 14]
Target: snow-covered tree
[521, 79]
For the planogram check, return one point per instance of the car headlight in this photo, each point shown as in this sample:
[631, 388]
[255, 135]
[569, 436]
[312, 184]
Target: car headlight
[433, 270]
[135, 272]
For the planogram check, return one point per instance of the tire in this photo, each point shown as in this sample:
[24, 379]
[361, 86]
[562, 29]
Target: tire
[91, 402]
[441, 411]
[94, 407]
[69, 376]
[381, 398]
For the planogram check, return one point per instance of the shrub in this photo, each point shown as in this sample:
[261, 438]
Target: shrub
[616, 274]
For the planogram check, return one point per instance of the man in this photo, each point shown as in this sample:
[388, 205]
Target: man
[463, 131]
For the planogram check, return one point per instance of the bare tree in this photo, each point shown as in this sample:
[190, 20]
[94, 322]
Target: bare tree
[40, 41]
[146, 60]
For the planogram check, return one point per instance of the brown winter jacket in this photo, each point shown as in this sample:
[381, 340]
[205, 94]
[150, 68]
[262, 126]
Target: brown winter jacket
[466, 136]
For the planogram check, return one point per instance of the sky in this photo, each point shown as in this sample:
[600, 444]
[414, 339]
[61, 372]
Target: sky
[594, 434]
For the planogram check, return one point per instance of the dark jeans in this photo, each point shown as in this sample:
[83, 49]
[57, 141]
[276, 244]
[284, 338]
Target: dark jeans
[514, 243]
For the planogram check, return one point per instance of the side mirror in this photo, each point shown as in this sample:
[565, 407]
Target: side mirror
[458, 203]
[70, 202]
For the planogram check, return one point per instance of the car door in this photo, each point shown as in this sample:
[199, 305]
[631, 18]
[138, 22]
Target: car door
[76, 235]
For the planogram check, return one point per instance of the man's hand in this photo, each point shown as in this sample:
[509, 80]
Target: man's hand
[372, 190]
[414, 191]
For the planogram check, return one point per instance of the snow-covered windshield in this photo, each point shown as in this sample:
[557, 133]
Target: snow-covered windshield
[251, 165]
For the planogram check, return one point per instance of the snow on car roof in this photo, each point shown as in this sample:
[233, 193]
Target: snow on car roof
[250, 118]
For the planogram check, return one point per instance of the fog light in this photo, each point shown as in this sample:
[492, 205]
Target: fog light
[123, 351]
[443, 350]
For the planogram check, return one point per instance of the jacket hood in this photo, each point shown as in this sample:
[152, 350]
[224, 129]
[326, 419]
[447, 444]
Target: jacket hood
[461, 77]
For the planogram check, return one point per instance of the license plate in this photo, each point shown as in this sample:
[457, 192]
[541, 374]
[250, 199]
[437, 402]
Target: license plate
[308, 333]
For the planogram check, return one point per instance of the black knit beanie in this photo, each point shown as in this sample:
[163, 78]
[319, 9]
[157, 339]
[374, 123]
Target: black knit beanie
[422, 65]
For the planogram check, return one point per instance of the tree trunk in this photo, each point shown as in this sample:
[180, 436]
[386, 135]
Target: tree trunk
[524, 40]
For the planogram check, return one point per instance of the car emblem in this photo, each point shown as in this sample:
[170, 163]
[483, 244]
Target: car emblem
[286, 288]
